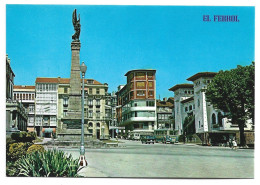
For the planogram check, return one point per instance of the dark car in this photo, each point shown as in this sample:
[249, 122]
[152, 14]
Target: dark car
[148, 139]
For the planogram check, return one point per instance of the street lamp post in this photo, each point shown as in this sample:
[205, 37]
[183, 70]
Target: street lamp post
[82, 160]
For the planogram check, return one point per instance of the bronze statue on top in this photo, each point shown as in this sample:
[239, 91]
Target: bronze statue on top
[76, 24]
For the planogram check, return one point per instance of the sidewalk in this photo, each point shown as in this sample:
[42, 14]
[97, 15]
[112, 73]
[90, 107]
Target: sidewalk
[91, 172]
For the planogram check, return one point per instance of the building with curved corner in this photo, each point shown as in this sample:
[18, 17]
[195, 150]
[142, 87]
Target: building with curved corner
[136, 103]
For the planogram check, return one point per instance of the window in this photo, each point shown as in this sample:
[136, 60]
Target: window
[151, 93]
[220, 117]
[186, 109]
[140, 74]
[198, 103]
[90, 124]
[150, 75]
[90, 102]
[97, 114]
[190, 107]
[90, 114]
[65, 101]
[140, 93]
[98, 124]
[213, 117]
[150, 103]
[90, 81]
[97, 91]
[31, 108]
[65, 113]
[98, 102]
[150, 84]
[90, 91]
[140, 84]
[65, 90]
[131, 85]
[185, 92]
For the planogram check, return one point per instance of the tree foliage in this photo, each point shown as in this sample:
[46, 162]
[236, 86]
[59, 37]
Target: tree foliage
[232, 91]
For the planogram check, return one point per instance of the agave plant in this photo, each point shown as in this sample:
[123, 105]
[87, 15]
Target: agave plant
[51, 163]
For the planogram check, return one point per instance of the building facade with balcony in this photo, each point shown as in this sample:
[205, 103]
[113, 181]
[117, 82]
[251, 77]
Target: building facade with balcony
[26, 95]
[111, 103]
[97, 113]
[46, 106]
[136, 104]
[210, 124]
[16, 114]
[164, 114]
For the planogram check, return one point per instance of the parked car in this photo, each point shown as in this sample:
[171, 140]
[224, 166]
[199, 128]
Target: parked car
[148, 139]
[168, 140]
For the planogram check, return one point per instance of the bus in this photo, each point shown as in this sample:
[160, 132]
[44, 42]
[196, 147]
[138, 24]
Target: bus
[136, 134]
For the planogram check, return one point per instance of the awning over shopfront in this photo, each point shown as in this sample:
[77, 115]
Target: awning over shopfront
[49, 130]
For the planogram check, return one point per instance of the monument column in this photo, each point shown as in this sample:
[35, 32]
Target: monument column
[74, 108]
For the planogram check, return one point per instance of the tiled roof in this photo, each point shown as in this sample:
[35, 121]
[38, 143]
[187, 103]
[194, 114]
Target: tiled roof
[164, 104]
[62, 80]
[46, 80]
[178, 86]
[201, 74]
[24, 87]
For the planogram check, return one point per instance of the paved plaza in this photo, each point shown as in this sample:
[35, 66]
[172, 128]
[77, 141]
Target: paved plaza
[133, 159]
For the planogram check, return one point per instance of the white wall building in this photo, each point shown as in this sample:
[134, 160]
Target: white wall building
[46, 104]
[26, 95]
[181, 92]
[209, 122]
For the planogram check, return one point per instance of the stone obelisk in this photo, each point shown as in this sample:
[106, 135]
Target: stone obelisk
[70, 126]
[74, 109]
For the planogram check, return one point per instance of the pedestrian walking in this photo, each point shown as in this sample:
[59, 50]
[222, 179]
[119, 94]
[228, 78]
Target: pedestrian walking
[230, 143]
[234, 143]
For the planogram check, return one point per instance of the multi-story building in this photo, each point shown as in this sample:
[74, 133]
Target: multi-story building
[210, 123]
[16, 115]
[26, 95]
[46, 106]
[97, 113]
[181, 92]
[136, 109]
[111, 103]
[164, 114]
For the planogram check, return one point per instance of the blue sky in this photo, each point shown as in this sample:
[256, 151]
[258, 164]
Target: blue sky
[174, 40]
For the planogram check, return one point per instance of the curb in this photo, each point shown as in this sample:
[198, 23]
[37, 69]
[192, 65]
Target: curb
[91, 172]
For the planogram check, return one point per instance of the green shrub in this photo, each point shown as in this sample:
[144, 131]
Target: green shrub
[11, 169]
[23, 136]
[51, 163]
[35, 148]
[17, 150]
